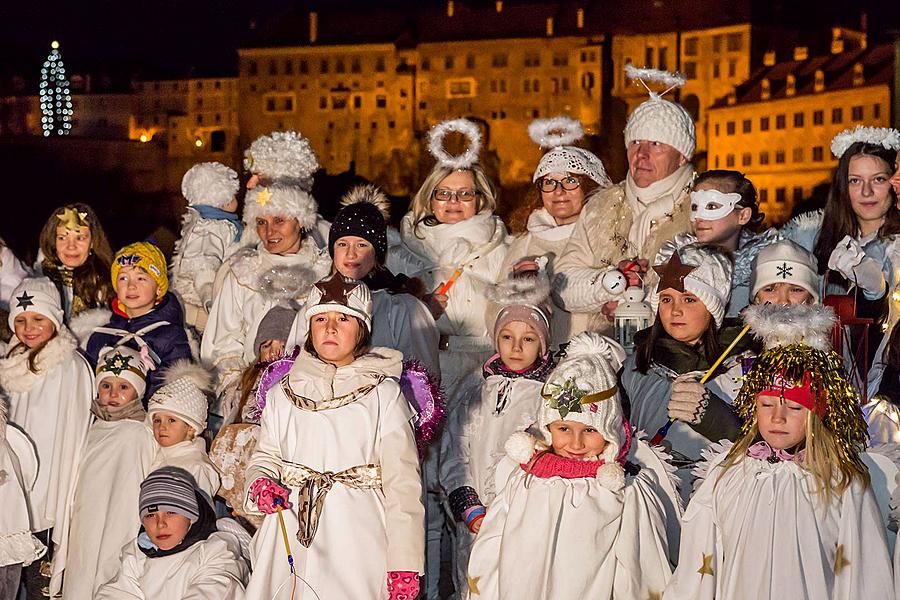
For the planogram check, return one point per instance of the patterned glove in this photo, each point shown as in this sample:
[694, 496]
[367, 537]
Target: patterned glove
[264, 492]
[402, 585]
[689, 399]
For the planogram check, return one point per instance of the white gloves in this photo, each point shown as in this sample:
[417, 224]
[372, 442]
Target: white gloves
[689, 399]
[849, 259]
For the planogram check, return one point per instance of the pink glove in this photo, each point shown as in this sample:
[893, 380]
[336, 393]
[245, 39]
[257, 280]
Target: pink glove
[402, 585]
[265, 491]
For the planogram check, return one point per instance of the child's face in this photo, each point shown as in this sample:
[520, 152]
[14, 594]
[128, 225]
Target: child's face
[519, 345]
[136, 291]
[782, 422]
[73, 245]
[334, 336]
[354, 257]
[170, 430]
[166, 529]
[115, 392]
[33, 329]
[271, 350]
[724, 230]
[231, 206]
[783, 293]
[683, 316]
[577, 441]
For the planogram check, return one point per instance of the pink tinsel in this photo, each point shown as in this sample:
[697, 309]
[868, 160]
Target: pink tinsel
[425, 396]
[272, 374]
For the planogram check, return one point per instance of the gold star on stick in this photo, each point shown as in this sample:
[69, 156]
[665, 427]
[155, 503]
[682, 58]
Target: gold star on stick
[473, 585]
[672, 274]
[263, 197]
[706, 568]
[72, 219]
[839, 561]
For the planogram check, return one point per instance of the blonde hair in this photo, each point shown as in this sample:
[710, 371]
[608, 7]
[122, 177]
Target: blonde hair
[821, 459]
[421, 204]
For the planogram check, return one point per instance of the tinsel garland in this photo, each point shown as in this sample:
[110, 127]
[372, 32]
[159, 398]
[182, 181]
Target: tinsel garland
[425, 396]
[843, 415]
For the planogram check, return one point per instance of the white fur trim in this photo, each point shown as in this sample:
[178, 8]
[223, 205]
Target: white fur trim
[16, 377]
[611, 476]
[590, 343]
[555, 131]
[666, 78]
[282, 200]
[885, 137]
[286, 282]
[710, 456]
[436, 143]
[282, 155]
[368, 193]
[210, 183]
[776, 325]
[521, 446]
[199, 376]
[83, 324]
[533, 291]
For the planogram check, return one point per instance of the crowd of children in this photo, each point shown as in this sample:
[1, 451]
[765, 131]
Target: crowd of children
[295, 409]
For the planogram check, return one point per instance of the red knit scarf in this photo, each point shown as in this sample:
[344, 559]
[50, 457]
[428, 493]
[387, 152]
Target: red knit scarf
[550, 465]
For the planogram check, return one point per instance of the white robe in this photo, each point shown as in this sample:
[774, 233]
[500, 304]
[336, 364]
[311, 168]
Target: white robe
[597, 538]
[53, 407]
[758, 530]
[104, 515]
[12, 272]
[209, 570]
[362, 533]
[191, 456]
[18, 471]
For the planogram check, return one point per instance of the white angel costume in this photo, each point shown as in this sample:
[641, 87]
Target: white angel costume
[191, 456]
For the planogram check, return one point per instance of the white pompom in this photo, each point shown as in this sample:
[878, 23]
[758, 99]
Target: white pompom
[521, 446]
[209, 183]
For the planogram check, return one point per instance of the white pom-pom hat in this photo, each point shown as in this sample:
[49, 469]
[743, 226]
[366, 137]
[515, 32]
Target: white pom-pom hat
[558, 134]
[39, 295]
[183, 394]
[436, 143]
[279, 199]
[210, 183]
[282, 156]
[709, 278]
[125, 363]
[660, 120]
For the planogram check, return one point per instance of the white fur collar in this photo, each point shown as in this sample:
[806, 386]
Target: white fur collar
[453, 244]
[314, 379]
[16, 377]
[543, 226]
[249, 264]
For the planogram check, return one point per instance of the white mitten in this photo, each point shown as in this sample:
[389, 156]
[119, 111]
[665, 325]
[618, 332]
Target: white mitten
[689, 399]
[846, 255]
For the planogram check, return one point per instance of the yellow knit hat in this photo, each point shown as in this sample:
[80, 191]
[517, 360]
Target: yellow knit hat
[146, 256]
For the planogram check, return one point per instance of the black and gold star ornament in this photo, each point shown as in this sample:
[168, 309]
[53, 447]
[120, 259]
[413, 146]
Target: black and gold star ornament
[336, 290]
[24, 301]
[116, 363]
[672, 274]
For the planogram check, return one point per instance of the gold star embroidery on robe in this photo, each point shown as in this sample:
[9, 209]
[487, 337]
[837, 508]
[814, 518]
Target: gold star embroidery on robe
[839, 561]
[473, 585]
[706, 568]
[263, 197]
[72, 219]
[654, 596]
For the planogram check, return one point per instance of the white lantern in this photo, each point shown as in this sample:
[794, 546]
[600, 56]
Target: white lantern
[632, 315]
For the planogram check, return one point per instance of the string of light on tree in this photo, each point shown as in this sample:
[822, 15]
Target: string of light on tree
[56, 101]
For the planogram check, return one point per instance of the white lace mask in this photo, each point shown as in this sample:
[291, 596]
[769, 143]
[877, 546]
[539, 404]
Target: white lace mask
[712, 205]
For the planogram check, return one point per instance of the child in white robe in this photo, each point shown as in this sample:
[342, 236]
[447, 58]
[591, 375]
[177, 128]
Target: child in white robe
[177, 413]
[116, 458]
[178, 554]
[584, 509]
[336, 443]
[788, 511]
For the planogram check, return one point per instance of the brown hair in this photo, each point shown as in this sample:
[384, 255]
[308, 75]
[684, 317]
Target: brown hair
[839, 220]
[363, 341]
[91, 283]
[737, 183]
[643, 354]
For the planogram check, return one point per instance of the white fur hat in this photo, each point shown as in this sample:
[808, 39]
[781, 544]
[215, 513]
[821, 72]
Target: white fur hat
[558, 134]
[183, 394]
[126, 363]
[283, 156]
[524, 298]
[338, 294]
[700, 270]
[36, 294]
[209, 183]
[583, 388]
[785, 262]
[660, 120]
[279, 199]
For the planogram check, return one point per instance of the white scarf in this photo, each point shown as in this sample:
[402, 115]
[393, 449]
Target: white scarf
[542, 225]
[650, 204]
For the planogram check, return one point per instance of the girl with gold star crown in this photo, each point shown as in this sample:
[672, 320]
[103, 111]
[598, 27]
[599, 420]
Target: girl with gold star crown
[790, 508]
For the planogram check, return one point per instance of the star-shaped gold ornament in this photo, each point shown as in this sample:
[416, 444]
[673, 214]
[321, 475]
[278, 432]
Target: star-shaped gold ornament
[672, 274]
[473, 585]
[336, 290]
[706, 568]
[655, 596]
[839, 560]
[72, 219]
[264, 196]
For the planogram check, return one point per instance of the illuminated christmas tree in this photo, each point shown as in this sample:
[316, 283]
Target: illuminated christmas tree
[56, 103]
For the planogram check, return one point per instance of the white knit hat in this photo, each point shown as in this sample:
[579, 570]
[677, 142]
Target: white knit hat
[659, 120]
[279, 199]
[584, 388]
[183, 394]
[282, 156]
[785, 262]
[699, 269]
[338, 294]
[39, 295]
[558, 134]
[126, 363]
[209, 183]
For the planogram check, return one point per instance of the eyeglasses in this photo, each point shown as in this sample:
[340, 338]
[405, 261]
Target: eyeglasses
[547, 184]
[443, 195]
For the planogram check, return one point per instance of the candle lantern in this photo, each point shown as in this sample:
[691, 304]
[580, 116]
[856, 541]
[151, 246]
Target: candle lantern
[631, 316]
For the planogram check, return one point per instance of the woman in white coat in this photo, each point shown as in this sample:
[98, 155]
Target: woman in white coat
[279, 267]
[566, 178]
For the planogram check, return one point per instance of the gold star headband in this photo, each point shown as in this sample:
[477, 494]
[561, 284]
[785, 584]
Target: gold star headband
[72, 219]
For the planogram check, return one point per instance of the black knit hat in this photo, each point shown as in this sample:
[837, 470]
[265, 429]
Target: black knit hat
[364, 215]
